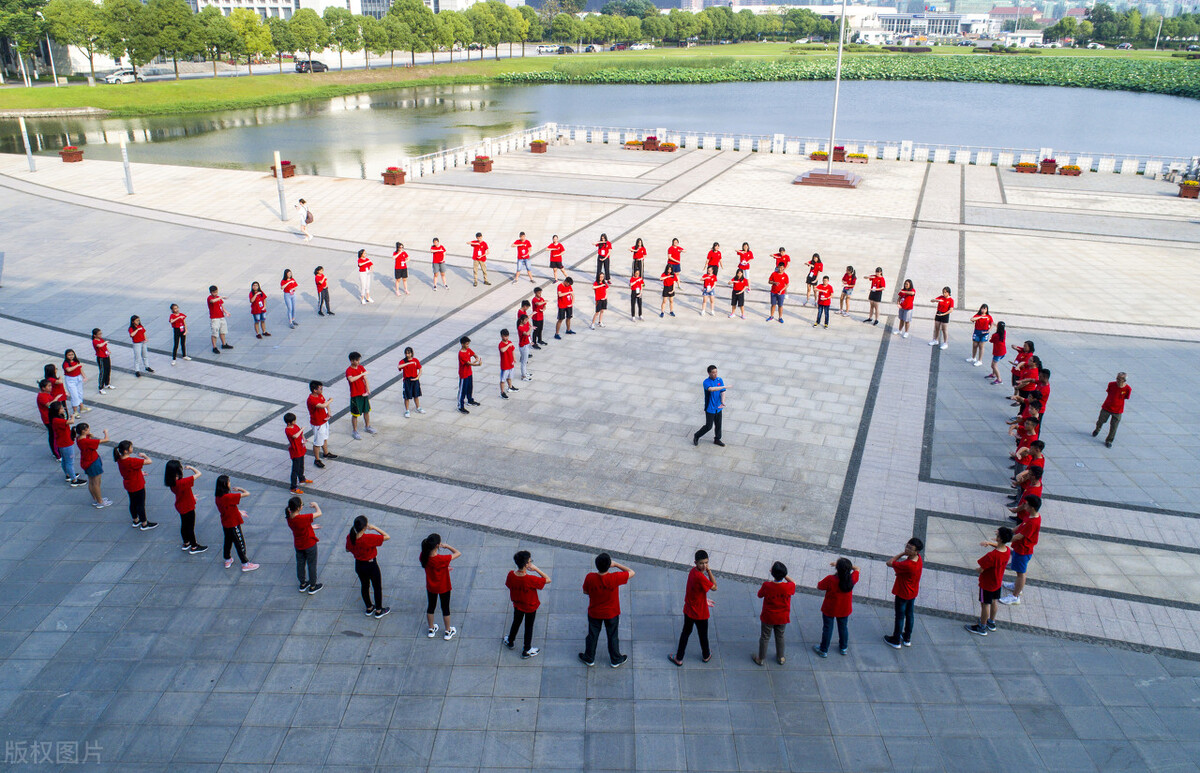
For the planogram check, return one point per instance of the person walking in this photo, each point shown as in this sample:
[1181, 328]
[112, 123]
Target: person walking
[318, 418]
[178, 321]
[360, 396]
[137, 335]
[103, 361]
[410, 370]
[89, 461]
[305, 217]
[218, 324]
[73, 379]
[479, 251]
[134, 481]
[603, 589]
[776, 594]
[322, 283]
[183, 487]
[364, 547]
[258, 310]
[1113, 408]
[365, 264]
[437, 582]
[467, 361]
[232, 518]
[991, 577]
[603, 261]
[837, 606]
[288, 287]
[304, 539]
[296, 450]
[907, 567]
[700, 582]
[523, 585]
[64, 440]
[401, 268]
[714, 404]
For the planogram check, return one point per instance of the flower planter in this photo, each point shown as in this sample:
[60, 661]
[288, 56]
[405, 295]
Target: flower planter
[1048, 167]
[650, 143]
[393, 178]
[1070, 172]
[537, 146]
[481, 165]
[71, 155]
[668, 147]
[289, 169]
[819, 156]
[1026, 169]
[839, 154]
[1189, 191]
[855, 159]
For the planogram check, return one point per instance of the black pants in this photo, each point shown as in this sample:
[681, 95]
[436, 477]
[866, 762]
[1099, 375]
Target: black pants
[50, 437]
[602, 265]
[297, 472]
[904, 614]
[104, 369]
[179, 345]
[187, 527]
[518, 616]
[307, 559]
[434, 598]
[538, 326]
[638, 269]
[827, 632]
[369, 577]
[635, 305]
[466, 390]
[711, 421]
[234, 539]
[323, 300]
[137, 505]
[701, 627]
[593, 636]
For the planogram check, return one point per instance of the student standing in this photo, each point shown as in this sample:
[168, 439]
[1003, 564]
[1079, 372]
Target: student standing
[556, 249]
[89, 461]
[217, 319]
[745, 255]
[288, 287]
[776, 594]
[941, 319]
[875, 297]
[778, 280]
[991, 574]
[365, 264]
[467, 360]
[824, 300]
[318, 418]
[674, 258]
[524, 337]
[708, 293]
[600, 289]
[1025, 539]
[438, 251]
[983, 326]
[523, 586]
[137, 335]
[603, 251]
[700, 582]
[73, 379]
[360, 396]
[737, 302]
[322, 283]
[636, 284]
[907, 567]
[479, 250]
[714, 404]
[296, 450]
[837, 606]
[183, 487]
[178, 322]
[401, 269]
[304, 539]
[1113, 408]
[639, 258]
[45, 399]
[523, 246]
[712, 260]
[437, 582]
[539, 318]
[849, 279]
[603, 589]
[364, 548]
[103, 361]
[815, 267]
[232, 518]
[508, 356]
[64, 440]
[566, 304]
[669, 280]
[410, 369]
[58, 390]
[258, 310]
[999, 349]
[134, 481]
[905, 299]
[781, 257]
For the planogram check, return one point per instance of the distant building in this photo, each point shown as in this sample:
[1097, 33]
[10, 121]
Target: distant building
[1021, 38]
[437, 6]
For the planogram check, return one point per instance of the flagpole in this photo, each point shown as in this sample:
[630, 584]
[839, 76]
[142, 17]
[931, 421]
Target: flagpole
[837, 89]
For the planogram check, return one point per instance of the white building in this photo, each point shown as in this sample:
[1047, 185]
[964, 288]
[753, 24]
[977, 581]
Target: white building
[1021, 38]
[938, 25]
[437, 6]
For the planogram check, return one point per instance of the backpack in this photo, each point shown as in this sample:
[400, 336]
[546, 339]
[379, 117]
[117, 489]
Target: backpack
[308, 218]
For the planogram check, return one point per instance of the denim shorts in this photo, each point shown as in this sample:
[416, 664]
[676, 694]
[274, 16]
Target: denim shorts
[777, 298]
[259, 317]
[906, 315]
[522, 264]
[94, 470]
[979, 336]
[1018, 562]
[997, 357]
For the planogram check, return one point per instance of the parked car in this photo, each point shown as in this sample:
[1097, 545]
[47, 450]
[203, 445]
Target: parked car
[565, 50]
[641, 47]
[1095, 45]
[591, 49]
[965, 43]
[123, 76]
[307, 65]
[1125, 46]
[618, 47]
[547, 49]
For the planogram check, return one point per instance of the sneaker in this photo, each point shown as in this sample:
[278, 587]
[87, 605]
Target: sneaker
[265, 333]
[944, 346]
[463, 410]
[249, 567]
[370, 612]
[76, 482]
[101, 391]
[843, 651]
[149, 369]
[970, 360]
[660, 316]
[781, 320]
[586, 662]
[197, 549]
[316, 586]
[229, 346]
[907, 642]
[572, 332]
[420, 410]
[1010, 600]
[105, 502]
[719, 443]
[228, 562]
[819, 652]
[895, 332]
[1108, 444]
[137, 374]
[904, 334]
[505, 641]
[557, 337]
[978, 363]
[672, 314]
[503, 396]
[330, 455]
[297, 491]
[1007, 585]
[619, 661]
[256, 335]
[303, 587]
[977, 629]
[933, 342]
[893, 643]
[532, 653]
[370, 430]
[185, 547]
[173, 363]
[382, 612]
[513, 389]
[473, 402]
[216, 350]
[100, 505]
[330, 313]
[406, 414]
[1095, 432]
[991, 625]
[354, 434]
[592, 326]
[147, 525]
[451, 632]
[319, 464]
[433, 631]
[186, 358]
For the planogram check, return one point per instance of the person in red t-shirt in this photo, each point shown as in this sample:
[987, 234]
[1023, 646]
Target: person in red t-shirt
[410, 371]
[437, 582]
[258, 310]
[849, 279]
[360, 396]
[524, 340]
[904, 300]
[907, 566]
[983, 325]
[364, 548]
[700, 582]
[875, 295]
[713, 259]
[365, 274]
[73, 379]
[232, 518]
[64, 440]
[508, 359]
[45, 399]
[669, 280]
[674, 258]
[824, 300]
[636, 284]
[89, 461]
[708, 291]
[178, 322]
[523, 586]
[137, 334]
[566, 307]
[296, 450]
[779, 285]
[322, 283]
[639, 256]
[999, 349]
[217, 322]
[991, 575]
[133, 480]
[479, 250]
[401, 269]
[815, 267]
[941, 319]
[288, 287]
[603, 259]
[183, 487]
[467, 359]
[737, 302]
[1113, 408]
[838, 604]
[318, 418]
[776, 594]
[600, 289]
[539, 318]
[745, 255]
[523, 246]
[438, 251]
[603, 589]
[556, 250]
[1025, 539]
[1028, 483]
[304, 539]
[103, 361]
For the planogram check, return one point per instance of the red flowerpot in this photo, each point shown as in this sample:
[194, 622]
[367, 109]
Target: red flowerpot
[71, 156]
[481, 165]
[839, 154]
[1070, 172]
[289, 170]
[1026, 169]
[1189, 191]
[537, 146]
[1048, 167]
[668, 148]
[650, 143]
[393, 178]
[820, 155]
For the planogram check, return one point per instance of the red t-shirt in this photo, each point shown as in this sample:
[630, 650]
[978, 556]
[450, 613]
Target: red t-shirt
[318, 414]
[782, 257]
[815, 267]
[556, 250]
[777, 602]
[983, 322]
[322, 282]
[216, 307]
[565, 295]
[999, 346]
[410, 367]
[539, 308]
[1043, 391]
[185, 497]
[740, 285]
[744, 258]
[130, 468]
[72, 368]
[43, 403]
[137, 334]
[695, 595]
[227, 507]
[303, 536]
[439, 253]
[401, 259]
[994, 563]
[289, 285]
[258, 303]
[58, 390]
[714, 257]
[636, 283]
[437, 573]
[779, 283]
[524, 332]
[364, 548]
[849, 280]
[906, 298]
[178, 320]
[603, 249]
[601, 290]
[639, 253]
[464, 362]
[365, 263]
[710, 281]
[944, 304]
[87, 451]
[101, 347]
[877, 282]
[1117, 395]
[523, 246]
[62, 432]
[358, 387]
[295, 438]
[824, 293]
[908, 577]
[1029, 529]
[479, 250]
[523, 590]
[837, 603]
[604, 595]
[507, 348]
[673, 255]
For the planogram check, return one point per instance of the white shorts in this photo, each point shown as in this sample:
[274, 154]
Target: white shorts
[364, 280]
[320, 434]
[219, 327]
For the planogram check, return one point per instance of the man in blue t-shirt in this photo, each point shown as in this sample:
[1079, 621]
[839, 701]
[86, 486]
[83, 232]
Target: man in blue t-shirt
[714, 402]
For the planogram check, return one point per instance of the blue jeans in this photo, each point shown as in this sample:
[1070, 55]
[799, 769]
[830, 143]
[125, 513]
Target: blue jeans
[289, 302]
[827, 632]
[68, 456]
[822, 310]
[904, 615]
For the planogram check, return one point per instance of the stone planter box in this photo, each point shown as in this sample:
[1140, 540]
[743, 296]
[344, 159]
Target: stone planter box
[1026, 169]
[1189, 191]
[393, 178]
[481, 165]
[71, 156]
[839, 154]
[289, 170]
[650, 143]
[818, 156]
[1048, 167]
[668, 148]
[537, 146]
[1070, 172]
[854, 160]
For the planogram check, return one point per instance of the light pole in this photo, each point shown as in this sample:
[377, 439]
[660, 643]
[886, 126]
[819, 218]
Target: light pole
[837, 89]
[1156, 35]
[50, 51]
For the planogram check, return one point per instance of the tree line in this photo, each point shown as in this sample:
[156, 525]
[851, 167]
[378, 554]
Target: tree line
[1104, 24]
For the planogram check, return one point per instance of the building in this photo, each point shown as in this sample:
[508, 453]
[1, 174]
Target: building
[1021, 38]
[922, 25]
[437, 6]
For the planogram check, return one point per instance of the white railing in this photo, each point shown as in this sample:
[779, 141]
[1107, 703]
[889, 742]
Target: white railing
[462, 156]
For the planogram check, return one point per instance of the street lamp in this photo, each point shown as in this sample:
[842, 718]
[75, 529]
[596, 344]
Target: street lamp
[50, 51]
[1160, 21]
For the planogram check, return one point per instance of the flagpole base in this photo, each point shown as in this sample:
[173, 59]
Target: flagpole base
[824, 179]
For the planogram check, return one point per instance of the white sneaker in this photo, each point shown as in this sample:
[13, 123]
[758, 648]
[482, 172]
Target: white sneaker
[420, 410]
[978, 363]
[904, 334]
[945, 346]
[362, 301]
[1010, 600]
[433, 631]
[173, 363]
[601, 324]
[186, 358]
[933, 342]
[971, 360]
[228, 562]
[592, 326]
[406, 414]
[895, 332]
[1007, 585]
[451, 632]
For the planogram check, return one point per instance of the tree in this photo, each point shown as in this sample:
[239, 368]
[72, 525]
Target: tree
[214, 34]
[455, 30]
[177, 29]
[77, 23]
[128, 31]
[683, 24]
[1087, 30]
[253, 37]
[1065, 28]
[533, 29]
[311, 32]
[421, 23]
[399, 35]
[1130, 27]
[657, 27]
[19, 22]
[565, 28]
[510, 25]
[344, 34]
[282, 39]
[374, 36]
[485, 26]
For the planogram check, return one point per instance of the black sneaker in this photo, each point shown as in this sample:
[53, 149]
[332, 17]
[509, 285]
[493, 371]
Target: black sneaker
[303, 587]
[226, 346]
[319, 464]
[331, 455]
[149, 369]
[585, 661]
[314, 587]
[620, 661]
[507, 643]
[463, 410]
[382, 611]
[76, 482]
[195, 549]
[330, 313]
[147, 525]
[892, 642]
[513, 389]
[1108, 444]
[991, 625]
[216, 350]
[695, 440]
[370, 612]
[977, 629]
[473, 402]
[532, 653]
[718, 443]
[503, 396]
[1095, 432]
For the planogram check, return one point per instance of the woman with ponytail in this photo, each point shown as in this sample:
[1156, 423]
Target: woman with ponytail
[839, 597]
[130, 466]
[437, 581]
[363, 546]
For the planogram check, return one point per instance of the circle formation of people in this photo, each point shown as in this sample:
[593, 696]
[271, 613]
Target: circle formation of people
[74, 444]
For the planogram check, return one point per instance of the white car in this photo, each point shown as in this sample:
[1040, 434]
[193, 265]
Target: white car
[641, 47]
[123, 76]
[547, 49]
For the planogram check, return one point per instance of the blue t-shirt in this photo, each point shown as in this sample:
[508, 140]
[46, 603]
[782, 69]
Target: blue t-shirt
[712, 400]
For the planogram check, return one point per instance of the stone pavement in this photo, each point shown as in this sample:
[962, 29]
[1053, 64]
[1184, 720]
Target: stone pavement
[845, 440]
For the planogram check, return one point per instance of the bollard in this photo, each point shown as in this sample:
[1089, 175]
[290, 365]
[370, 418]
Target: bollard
[28, 150]
[125, 161]
[279, 184]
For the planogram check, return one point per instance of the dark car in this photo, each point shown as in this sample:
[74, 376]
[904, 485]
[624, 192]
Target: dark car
[590, 50]
[565, 50]
[310, 65]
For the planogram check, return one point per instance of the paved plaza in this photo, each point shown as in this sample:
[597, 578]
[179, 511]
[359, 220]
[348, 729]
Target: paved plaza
[841, 441]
